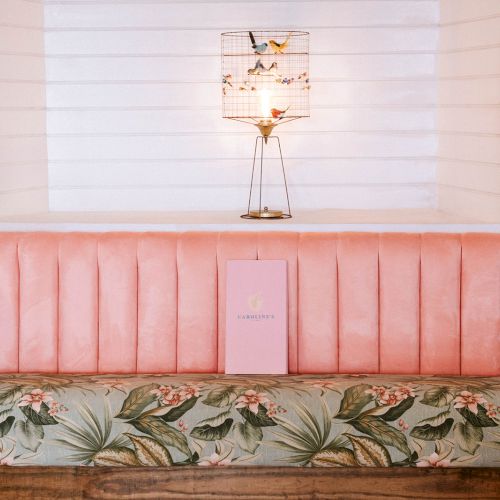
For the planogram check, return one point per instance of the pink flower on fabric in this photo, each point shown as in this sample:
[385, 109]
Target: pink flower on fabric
[56, 408]
[168, 396]
[404, 392]
[215, 460]
[173, 399]
[468, 400]
[35, 398]
[376, 391]
[388, 398]
[433, 461]
[189, 390]
[403, 424]
[273, 409]
[7, 461]
[491, 410]
[251, 400]
[162, 391]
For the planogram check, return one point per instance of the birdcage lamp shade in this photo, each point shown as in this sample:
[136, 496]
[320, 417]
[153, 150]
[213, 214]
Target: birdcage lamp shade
[265, 76]
[265, 82]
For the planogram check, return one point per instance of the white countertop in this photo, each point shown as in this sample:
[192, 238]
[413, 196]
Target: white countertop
[406, 220]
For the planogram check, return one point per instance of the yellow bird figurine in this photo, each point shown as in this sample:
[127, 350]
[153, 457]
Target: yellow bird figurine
[279, 48]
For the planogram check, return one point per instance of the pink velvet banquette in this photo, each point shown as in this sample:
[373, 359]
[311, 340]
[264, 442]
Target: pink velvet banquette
[155, 302]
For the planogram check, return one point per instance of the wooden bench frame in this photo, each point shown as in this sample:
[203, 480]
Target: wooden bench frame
[106, 483]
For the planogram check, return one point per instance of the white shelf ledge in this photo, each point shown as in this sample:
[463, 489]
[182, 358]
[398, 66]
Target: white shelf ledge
[405, 220]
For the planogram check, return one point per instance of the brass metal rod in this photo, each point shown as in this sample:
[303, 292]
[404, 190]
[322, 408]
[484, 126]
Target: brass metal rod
[284, 177]
[261, 162]
[253, 169]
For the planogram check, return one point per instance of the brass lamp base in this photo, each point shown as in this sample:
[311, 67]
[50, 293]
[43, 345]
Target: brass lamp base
[266, 128]
[266, 214]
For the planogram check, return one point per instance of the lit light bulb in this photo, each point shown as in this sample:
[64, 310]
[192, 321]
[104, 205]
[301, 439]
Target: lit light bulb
[265, 103]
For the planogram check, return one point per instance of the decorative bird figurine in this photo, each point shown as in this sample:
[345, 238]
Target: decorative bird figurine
[258, 48]
[279, 48]
[257, 69]
[226, 81]
[278, 113]
[272, 71]
[261, 70]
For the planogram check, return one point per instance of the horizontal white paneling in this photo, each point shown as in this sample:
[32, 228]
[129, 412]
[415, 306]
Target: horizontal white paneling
[21, 149]
[480, 206]
[480, 62]
[21, 67]
[22, 95]
[207, 69]
[468, 173]
[342, 144]
[21, 176]
[413, 94]
[21, 40]
[469, 35]
[472, 91]
[320, 171]
[22, 122]
[180, 42]
[458, 11]
[470, 119]
[21, 13]
[27, 200]
[470, 147]
[140, 87]
[241, 15]
[181, 121]
[233, 198]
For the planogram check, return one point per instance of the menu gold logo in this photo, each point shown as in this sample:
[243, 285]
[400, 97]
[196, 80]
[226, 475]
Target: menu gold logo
[255, 302]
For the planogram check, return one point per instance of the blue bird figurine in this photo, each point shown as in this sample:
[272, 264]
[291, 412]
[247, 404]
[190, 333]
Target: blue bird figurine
[258, 48]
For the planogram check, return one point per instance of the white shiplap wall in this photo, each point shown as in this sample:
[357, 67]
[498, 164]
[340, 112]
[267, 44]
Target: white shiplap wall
[469, 109]
[134, 118]
[23, 153]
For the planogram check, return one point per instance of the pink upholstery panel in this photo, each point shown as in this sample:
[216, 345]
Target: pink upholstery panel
[440, 308]
[157, 303]
[357, 256]
[317, 315]
[117, 303]
[284, 246]
[231, 246]
[197, 302]
[399, 274]
[9, 303]
[391, 303]
[78, 307]
[480, 305]
[38, 303]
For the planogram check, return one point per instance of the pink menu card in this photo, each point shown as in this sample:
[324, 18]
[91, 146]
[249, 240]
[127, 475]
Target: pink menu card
[256, 317]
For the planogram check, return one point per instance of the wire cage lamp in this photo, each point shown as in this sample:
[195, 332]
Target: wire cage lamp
[265, 82]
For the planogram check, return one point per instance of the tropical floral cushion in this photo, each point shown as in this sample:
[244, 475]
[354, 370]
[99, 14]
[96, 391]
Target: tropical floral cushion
[214, 420]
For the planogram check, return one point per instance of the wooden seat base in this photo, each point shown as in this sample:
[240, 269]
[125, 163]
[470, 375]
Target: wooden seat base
[113, 483]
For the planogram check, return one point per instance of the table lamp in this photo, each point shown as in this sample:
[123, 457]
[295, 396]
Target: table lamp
[265, 82]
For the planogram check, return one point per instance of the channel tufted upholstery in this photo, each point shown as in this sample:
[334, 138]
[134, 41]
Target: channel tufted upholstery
[155, 302]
